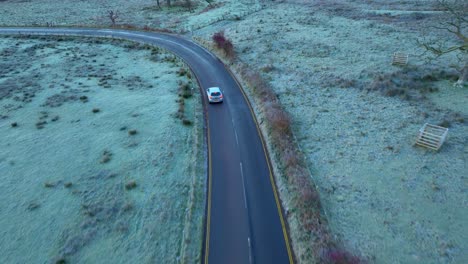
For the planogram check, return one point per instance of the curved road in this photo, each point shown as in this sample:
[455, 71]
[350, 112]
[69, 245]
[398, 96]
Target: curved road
[244, 221]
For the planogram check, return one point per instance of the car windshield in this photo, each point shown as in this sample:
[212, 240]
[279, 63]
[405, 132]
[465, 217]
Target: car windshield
[215, 94]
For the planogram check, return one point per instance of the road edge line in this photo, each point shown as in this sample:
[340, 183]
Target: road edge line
[267, 157]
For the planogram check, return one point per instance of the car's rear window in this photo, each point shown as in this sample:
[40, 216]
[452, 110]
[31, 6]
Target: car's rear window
[215, 94]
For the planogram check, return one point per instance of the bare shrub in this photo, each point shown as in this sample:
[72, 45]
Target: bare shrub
[278, 119]
[219, 39]
[113, 16]
[224, 44]
[260, 87]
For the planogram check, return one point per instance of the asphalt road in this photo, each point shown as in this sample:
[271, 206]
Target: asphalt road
[244, 221]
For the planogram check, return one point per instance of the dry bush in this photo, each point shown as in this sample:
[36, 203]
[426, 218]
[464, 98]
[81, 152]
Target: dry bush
[224, 44]
[278, 119]
[259, 86]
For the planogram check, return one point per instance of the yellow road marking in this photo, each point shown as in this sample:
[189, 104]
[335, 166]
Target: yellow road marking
[208, 217]
[272, 181]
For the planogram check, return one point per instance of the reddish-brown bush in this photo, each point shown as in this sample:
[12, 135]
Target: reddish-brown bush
[224, 43]
[219, 39]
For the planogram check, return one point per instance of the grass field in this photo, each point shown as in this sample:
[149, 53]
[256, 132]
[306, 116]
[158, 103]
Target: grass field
[354, 115]
[93, 154]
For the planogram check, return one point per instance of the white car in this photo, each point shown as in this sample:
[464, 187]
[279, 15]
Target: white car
[214, 95]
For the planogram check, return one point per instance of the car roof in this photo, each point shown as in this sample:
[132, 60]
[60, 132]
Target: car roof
[214, 89]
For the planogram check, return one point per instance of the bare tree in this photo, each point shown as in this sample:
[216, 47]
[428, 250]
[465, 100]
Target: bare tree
[113, 16]
[159, 4]
[457, 24]
[168, 2]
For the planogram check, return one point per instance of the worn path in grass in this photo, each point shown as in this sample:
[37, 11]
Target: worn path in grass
[244, 217]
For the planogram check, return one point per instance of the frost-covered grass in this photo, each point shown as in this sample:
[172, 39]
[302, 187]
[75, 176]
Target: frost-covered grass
[97, 168]
[330, 67]
[328, 62]
[137, 13]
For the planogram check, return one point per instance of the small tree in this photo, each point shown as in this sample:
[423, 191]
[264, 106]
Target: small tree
[457, 24]
[113, 16]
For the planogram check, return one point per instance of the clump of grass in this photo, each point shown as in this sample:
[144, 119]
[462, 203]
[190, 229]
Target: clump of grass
[130, 185]
[40, 124]
[106, 156]
[33, 206]
[181, 110]
[84, 98]
[187, 122]
[49, 185]
[182, 71]
[60, 260]
[268, 68]
[184, 90]
[128, 206]
[14, 124]
[55, 118]
[445, 123]
[155, 51]
[96, 110]
[170, 58]
[68, 185]
[132, 132]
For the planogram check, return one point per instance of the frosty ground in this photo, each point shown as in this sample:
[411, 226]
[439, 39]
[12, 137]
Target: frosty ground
[329, 62]
[92, 154]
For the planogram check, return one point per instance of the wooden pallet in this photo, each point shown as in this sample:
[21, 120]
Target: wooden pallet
[400, 58]
[431, 136]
